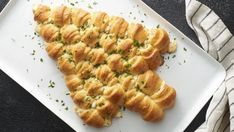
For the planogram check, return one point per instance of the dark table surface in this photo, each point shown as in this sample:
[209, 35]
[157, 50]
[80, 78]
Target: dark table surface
[20, 111]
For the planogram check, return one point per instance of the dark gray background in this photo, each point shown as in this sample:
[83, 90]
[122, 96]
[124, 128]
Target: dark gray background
[20, 111]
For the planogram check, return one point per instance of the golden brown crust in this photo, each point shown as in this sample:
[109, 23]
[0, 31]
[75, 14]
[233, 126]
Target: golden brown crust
[165, 98]
[92, 117]
[41, 13]
[54, 49]
[49, 32]
[138, 65]
[144, 105]
[61, 15]
[107, 63]
[100, 20]
[80, 17]
[70, 34]
[66, 64]
[153, 59]
[137, 32]
[83, 69]
[117, 26]
[73, 82]
[93, 87]
[108, 42]
[125, 46]
[160, 40]
[115, 63]
[105, 75]
[80, 51]
[97, 56]
[90, 37]
[114, 93]
[106, 108]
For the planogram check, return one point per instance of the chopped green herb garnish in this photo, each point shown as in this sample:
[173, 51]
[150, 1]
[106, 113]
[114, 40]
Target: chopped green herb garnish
[51, 84]
[185, 49]
[63, 104]
[142, 21]
[101, 104]
[136, 43]
[173, 56]
[86, 99]
[41, 60]
[174, 38]
[112, 52]
[67, 93]
[72, 4]
[70, 60]
[97, 65]
[57, 100]
[33, 53]
[121, 51]
[124, 108]
[137, 87]
[145, 14]
[128, 65]
[142, 82]
[90, 7]
[98, 45]
[158, 26]
[117, 74]
[184, 61]
[66, 108]
[95, 3]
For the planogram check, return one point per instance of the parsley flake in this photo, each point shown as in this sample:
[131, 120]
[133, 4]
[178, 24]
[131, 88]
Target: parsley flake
[90, 7]
[33, 53]
[136, 43]
[41, 60]
[51, 84]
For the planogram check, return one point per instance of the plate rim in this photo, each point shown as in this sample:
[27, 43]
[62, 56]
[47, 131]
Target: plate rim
[196, 110]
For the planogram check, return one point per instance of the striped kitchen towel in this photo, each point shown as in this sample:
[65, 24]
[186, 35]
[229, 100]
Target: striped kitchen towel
[218, 41]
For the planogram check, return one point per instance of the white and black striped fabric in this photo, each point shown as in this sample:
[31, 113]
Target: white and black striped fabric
[218, 41]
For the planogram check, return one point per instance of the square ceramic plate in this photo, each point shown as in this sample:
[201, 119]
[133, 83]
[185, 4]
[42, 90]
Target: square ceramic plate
[192, 72]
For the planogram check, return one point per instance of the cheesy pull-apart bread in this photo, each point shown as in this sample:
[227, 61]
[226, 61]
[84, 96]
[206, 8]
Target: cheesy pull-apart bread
[107, 63]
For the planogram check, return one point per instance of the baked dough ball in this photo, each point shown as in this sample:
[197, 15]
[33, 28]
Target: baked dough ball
[80, 17]
[41, 13]
[137, 32]
[70, 34]
[49, 32]
[61, 15]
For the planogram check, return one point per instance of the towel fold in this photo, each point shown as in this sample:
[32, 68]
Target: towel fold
[218, 41]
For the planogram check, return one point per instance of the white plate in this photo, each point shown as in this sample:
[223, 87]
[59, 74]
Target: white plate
[193, 73]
